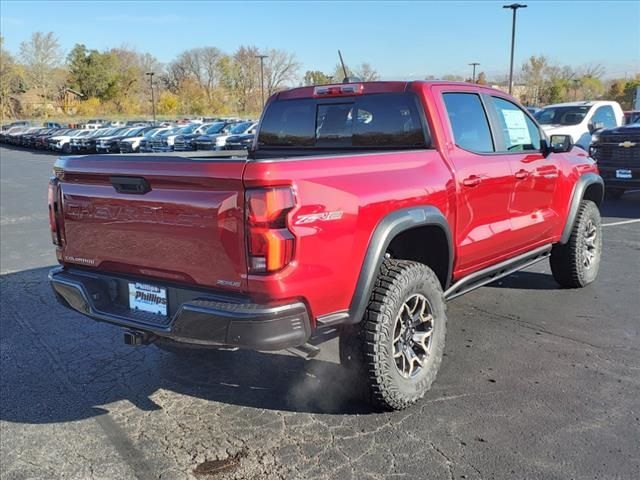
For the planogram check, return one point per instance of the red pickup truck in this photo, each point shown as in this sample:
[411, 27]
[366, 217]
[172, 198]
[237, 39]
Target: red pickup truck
[363, 206]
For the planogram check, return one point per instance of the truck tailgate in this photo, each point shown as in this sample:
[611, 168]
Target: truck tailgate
[168, 218]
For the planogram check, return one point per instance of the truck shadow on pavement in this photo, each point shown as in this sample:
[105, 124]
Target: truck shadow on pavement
[525, 280]
[627, 206]
[58, 366]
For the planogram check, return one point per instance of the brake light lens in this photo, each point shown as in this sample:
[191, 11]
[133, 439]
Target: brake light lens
[52, 200]
[346, 89]
[270, 243]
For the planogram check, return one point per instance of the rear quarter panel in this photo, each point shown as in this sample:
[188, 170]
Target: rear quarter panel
[364, 188]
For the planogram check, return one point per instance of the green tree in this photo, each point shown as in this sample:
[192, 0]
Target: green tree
[316, 77]
[555, 92]
[91, 72]
[630, 90]
[592, 88]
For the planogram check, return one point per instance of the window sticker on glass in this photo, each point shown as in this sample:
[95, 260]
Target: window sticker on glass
[517, 127]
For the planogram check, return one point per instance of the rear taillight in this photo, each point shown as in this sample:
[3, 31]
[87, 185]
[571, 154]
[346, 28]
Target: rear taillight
[270, 244]
[54, 207]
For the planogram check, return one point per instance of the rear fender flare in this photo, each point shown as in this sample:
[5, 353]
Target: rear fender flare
[389, 227]
[585, 180]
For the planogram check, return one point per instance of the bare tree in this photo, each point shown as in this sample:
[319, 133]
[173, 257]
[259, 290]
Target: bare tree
[533, 76]
[242, 77]
[366, 73]
[200, 64]
[210, 58]
[41, 55]
[592, 70]
[280, 69]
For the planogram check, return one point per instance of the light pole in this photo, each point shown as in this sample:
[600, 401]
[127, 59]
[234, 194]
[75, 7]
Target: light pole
[153, 98]
[514, 7]
[474, 65]
[262, 57]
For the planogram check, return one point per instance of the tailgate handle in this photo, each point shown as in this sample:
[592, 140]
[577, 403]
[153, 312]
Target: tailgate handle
[135, 185]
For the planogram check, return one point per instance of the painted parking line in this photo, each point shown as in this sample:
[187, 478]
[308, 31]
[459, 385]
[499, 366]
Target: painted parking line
[624, 222]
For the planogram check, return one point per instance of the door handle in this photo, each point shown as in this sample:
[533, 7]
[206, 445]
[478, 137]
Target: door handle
[134, 185]
[471, 181]
[522, 174]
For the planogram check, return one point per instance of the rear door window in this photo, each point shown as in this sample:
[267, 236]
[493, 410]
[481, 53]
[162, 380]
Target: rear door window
[468, 122]
[380, 120]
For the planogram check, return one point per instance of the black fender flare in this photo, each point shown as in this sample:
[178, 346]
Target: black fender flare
[391, 225]
[579, 190]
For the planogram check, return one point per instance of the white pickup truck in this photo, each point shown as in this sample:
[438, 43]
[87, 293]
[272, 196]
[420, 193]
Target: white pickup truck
[580, 119]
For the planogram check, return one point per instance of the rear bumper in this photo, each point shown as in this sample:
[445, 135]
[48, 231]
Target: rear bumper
[202, 318]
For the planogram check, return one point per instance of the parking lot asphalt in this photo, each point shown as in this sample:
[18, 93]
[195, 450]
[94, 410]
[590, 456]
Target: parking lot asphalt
[537, 382]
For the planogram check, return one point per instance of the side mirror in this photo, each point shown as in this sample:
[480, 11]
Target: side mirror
[560, 144]
[595, 126]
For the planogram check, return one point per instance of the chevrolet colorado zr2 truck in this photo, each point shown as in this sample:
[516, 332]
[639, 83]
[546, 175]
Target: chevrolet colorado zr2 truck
[362, 207]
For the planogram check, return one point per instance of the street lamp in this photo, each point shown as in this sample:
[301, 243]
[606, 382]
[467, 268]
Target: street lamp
[262, 57]
[514, 7]
[153, 98]
[474, 65]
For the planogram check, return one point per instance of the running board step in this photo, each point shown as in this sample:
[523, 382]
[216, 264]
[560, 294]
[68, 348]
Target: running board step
[306, 351]
[502, 269]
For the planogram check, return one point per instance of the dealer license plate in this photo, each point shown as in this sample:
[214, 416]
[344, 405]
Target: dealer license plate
[623, 173]
[148, 298]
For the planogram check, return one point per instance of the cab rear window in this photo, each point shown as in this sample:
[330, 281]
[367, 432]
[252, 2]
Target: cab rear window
[380, 120]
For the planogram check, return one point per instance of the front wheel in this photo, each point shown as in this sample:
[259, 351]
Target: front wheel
[396, 350]
[576, 264]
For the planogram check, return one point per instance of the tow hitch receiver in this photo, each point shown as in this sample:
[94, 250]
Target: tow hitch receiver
[135, 338]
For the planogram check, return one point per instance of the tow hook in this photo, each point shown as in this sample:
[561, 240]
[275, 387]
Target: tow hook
[135, 338]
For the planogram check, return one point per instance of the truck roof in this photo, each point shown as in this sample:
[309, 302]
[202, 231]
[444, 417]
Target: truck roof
[586, 103]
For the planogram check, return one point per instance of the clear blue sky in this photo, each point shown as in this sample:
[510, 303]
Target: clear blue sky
[400, 39]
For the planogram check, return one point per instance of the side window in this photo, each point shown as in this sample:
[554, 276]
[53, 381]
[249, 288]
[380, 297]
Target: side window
[605, 116]
[468, 122]
[520, 133]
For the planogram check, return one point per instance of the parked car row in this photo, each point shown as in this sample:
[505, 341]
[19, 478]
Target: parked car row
[132, 137]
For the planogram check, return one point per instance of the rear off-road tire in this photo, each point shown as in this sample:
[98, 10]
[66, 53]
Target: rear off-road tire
[395, 351]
